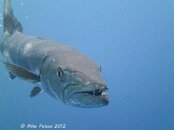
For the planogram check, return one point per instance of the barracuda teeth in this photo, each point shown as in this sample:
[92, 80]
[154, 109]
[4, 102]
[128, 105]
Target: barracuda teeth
[103, 93]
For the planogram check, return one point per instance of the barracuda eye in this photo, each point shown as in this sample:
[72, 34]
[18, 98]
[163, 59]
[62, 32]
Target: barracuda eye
[60, 73]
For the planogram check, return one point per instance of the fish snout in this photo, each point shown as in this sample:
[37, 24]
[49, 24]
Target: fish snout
[105, 100]
[103, 92]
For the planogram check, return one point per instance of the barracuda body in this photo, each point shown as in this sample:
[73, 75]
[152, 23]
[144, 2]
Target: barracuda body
[63, 72]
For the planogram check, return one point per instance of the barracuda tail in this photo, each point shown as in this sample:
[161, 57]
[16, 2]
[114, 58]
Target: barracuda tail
[10, 23]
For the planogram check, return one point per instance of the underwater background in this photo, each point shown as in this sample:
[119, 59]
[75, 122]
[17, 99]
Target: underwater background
[133, 41]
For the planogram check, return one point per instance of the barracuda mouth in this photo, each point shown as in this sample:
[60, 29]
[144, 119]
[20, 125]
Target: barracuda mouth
[86, 96]
[72, 93]
[97, 92]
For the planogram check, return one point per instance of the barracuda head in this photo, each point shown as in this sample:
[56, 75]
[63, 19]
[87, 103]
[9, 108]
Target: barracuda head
[82, 91]
[79, 84]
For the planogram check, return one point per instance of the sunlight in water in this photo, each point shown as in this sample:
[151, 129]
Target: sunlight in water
[22, 3]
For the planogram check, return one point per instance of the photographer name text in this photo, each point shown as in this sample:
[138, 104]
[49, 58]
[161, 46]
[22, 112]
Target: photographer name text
[43, 126]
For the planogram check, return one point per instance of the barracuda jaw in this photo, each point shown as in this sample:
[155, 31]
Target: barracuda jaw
[82, 95]
[96, 92]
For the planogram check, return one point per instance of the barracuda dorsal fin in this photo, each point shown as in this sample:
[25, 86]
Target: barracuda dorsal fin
[10, 23]
[22, 73]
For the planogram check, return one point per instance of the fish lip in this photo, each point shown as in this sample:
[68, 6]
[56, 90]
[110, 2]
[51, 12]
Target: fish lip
[89, 89]
[64, 96]
[100, 92]
[103, 99]
[95, 92]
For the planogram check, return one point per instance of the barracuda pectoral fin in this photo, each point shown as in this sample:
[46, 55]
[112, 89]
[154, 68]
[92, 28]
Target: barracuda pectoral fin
[16, 71]
[35, 91]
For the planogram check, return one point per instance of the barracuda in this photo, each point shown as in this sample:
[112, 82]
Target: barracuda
[63, 72]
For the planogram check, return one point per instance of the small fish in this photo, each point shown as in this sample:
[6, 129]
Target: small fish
[63, 72]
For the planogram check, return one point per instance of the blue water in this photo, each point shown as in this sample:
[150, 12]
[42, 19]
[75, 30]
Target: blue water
[132, 40]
